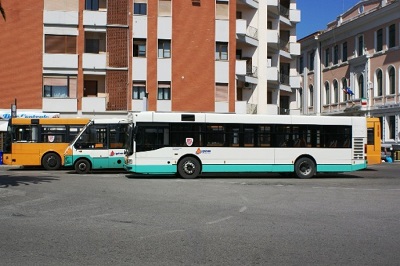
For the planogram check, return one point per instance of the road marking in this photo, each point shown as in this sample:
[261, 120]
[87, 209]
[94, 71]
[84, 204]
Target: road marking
[220, 220]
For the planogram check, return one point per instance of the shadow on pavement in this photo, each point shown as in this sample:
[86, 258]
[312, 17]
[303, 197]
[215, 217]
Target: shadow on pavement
[13, 181]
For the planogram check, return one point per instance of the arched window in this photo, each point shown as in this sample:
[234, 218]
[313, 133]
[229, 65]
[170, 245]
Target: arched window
[392, 81]
[327, 93]
[344, 89]
[379, 83]
[311, 90]
[361, 86]
[335, 91]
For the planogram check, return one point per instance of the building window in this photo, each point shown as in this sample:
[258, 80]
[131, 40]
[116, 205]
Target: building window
[164, 48]
[164, 8]
[221, 51]
[139, 47]
[221, 92]
[344, 89]
[379, 40]
[311, 96]
[92, 5]
[392, 80]
[222, 10]
[327, 57]
[335, 91]
[59, 86]
[361, 86]
[60, 44]
[360, 45]
[311, 66]
[92, 46]
[379, 82]
[327, 93]
[344, 52]
[164, 91]
[138, 90]
[336, 55]
[140, 7]
[392, 127]
[392, 36]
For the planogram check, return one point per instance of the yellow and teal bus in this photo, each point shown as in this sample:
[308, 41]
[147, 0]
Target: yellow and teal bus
[100, 145]
[189, 144]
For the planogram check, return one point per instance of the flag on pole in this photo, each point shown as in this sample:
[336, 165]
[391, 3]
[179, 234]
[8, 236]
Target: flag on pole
[348, 91]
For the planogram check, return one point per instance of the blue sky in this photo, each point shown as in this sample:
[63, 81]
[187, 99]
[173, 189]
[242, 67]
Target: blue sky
[315, 14]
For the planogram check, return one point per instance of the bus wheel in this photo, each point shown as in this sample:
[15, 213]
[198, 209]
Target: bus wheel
[82, 166]
[51, 161]
[189, 168]
[304, 168]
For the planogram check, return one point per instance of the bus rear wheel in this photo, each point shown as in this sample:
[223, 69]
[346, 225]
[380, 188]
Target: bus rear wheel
[304, 168]
[82, 166]
[189, 168]
[51, 161]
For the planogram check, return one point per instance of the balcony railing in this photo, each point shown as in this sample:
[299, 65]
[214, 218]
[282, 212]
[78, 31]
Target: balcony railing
[251, 71]
[284, 78]
[284, 11]
[252, 32]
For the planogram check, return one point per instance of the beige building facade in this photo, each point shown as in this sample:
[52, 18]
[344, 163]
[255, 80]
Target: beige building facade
[353, 67]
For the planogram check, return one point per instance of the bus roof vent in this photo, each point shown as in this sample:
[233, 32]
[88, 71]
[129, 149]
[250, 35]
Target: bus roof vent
[187, 117]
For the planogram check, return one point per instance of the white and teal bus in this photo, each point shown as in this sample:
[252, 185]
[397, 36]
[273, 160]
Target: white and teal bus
[99, 145]
[189, 144]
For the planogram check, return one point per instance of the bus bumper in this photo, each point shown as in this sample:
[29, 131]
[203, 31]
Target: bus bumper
[127, 167]
[68, 160]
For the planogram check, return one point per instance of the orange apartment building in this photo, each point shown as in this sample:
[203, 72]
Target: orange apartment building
[353, 67]
[106, 58]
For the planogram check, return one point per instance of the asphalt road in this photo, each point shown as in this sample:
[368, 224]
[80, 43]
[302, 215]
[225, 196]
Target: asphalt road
[113, 218]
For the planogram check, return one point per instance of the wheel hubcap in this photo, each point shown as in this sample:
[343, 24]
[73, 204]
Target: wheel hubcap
[189, 167]
[51, 161]
[82, 167]
[305, 168]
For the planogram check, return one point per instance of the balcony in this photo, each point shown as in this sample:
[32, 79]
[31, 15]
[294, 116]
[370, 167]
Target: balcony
[60, 17]
[295, 48]
[68, 105]
[240, 67]
[94, 61]
[95, 18]
[295, 15]
[95, 104]
[62, 61]
[246, 34]
[272, 74]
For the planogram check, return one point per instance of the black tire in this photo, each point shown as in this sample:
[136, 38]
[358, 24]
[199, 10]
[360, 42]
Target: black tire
[304, 168]
[82, 166]
[189, 168]
[51, 161]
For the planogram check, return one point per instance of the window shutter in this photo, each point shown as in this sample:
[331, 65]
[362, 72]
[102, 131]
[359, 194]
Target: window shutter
[221, 93]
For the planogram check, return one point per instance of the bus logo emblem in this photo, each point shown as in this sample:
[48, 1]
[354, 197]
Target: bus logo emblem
[189, 141]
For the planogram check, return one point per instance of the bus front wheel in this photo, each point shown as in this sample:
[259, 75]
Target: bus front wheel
[82, 166]
[304, 168]
[189, 168]
[51, 161]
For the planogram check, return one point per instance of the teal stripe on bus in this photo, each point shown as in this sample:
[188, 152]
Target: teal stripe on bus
[115, 162]
[244, 168]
